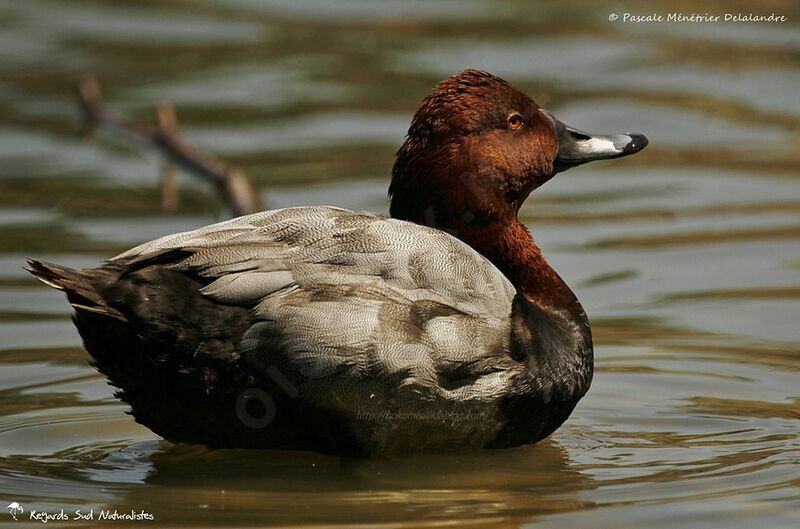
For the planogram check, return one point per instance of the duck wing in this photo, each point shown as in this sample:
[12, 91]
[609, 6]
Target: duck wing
[351, 296]
[370, 334]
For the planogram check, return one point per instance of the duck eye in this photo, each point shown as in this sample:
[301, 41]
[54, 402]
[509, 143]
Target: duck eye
[515, 121]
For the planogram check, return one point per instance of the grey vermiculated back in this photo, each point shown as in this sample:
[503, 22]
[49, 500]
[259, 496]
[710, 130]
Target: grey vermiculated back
[324, 244]
[361, 312]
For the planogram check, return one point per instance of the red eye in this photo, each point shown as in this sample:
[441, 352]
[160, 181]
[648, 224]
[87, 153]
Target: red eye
[515, 121]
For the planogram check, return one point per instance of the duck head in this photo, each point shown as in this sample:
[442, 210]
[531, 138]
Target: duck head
[477, 147]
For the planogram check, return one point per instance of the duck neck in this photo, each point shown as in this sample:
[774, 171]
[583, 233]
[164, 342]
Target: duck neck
[512, 250]
[549, 331]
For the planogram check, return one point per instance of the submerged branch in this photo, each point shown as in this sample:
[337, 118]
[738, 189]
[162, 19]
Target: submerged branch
[230, 182]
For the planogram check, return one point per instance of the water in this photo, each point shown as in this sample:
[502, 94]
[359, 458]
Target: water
[686, 256]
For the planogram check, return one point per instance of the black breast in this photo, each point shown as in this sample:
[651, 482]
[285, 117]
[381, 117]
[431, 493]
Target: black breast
[556, 348]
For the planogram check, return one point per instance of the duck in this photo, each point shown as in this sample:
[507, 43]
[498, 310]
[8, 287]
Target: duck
[439, 327]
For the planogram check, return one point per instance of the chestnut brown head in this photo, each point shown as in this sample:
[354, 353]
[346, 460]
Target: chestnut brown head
[477, 147]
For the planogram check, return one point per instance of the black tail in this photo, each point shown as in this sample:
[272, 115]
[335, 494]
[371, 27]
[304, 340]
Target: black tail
[170, 351]
[81, 287]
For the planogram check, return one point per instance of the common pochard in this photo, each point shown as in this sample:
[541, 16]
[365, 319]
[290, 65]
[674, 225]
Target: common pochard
[319, 328]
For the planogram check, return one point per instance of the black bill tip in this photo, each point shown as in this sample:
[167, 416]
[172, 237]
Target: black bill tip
[637, 143]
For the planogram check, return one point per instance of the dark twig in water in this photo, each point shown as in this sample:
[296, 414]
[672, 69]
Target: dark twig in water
[230, 182]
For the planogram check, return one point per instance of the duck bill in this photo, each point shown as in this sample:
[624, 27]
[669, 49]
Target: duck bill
[576, 147]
